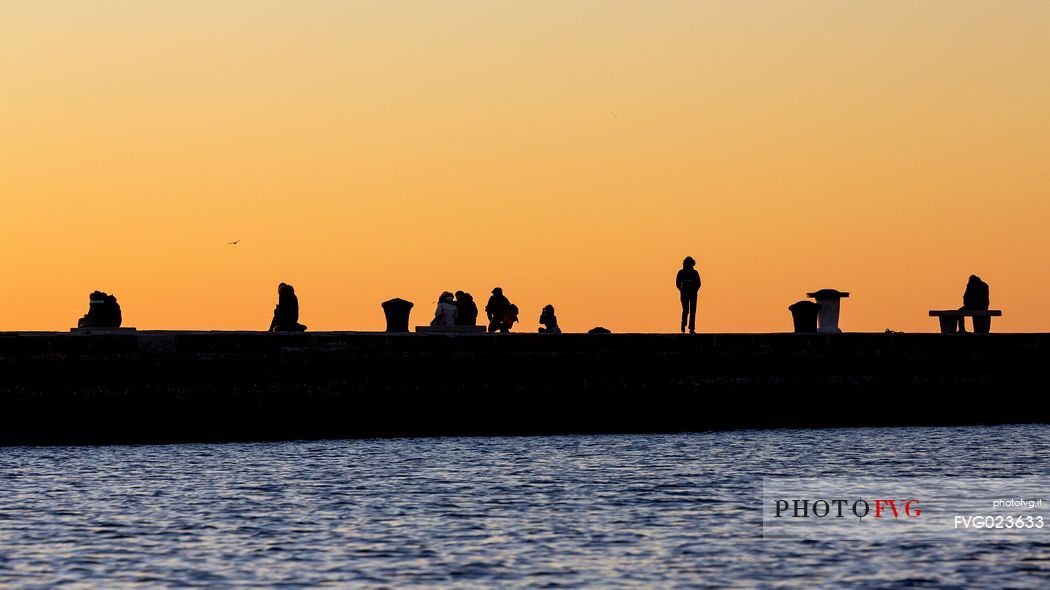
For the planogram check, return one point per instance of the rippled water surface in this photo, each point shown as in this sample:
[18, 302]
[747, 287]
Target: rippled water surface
[573, 511]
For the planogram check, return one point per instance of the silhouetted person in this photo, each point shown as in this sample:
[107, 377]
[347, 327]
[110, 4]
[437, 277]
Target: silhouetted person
[103, 312]
[466, 310]
[509, 318]
[496, 310]
[549, 321]
[688, 283]
[976, 298]
[445, 314]
[286, 314]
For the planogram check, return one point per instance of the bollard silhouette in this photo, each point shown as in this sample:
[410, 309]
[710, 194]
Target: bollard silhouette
[397, 311]
[829, 301]
[804, 316]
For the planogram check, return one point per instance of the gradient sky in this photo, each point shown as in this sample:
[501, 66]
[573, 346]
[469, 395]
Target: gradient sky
[572, 152]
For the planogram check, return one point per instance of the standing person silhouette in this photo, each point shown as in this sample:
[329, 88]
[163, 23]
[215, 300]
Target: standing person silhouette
[496, 310]
[688, 283]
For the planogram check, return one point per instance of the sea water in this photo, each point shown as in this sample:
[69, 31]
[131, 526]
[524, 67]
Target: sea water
[652, 511]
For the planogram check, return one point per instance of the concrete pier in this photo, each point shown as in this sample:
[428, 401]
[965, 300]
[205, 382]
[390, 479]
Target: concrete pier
[182, 386]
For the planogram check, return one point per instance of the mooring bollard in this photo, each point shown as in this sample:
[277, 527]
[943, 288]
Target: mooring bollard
[396, 311]
[804, 316]
[829, 309]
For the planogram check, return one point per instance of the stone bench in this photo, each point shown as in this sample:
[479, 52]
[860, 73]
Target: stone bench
[982, 323]
[450, 329]
[102, 330]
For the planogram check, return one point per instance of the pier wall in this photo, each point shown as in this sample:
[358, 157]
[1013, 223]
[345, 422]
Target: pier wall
[179, 386]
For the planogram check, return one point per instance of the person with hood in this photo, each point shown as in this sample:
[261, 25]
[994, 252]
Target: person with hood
[466, 310]
[976, 298]
[286, 314]
[445, 314]
[688, 283]
[496, 310]
[549, 321]
[103, 312]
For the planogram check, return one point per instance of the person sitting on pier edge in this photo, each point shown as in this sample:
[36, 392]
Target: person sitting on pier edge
[445, 314]
[466, 310]
[103, 312]
[496, 309]
[286, 314]
[975, 297]
[509, 318]
[688, 283]
[549, 321]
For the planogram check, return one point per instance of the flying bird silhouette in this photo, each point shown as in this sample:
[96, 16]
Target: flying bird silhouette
[234, 243]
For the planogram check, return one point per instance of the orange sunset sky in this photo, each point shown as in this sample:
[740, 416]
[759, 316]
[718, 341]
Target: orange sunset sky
[572, 152]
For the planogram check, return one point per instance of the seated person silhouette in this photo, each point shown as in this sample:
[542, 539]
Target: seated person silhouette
[466, 310]
[509, 318]
[445, 315]
[103, 312]
[286, 314]
[496, 310]
[975, 297]
[549, 321]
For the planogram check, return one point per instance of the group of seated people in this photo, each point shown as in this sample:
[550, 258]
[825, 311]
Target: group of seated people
[457, 310]
[452, 310]
[460, 310]
[103, 312]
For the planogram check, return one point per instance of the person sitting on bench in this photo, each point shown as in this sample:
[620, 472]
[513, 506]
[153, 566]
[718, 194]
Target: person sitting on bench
[103, 312]
[286, 314]
[975, 298]
[466, 309]
[445, 314]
